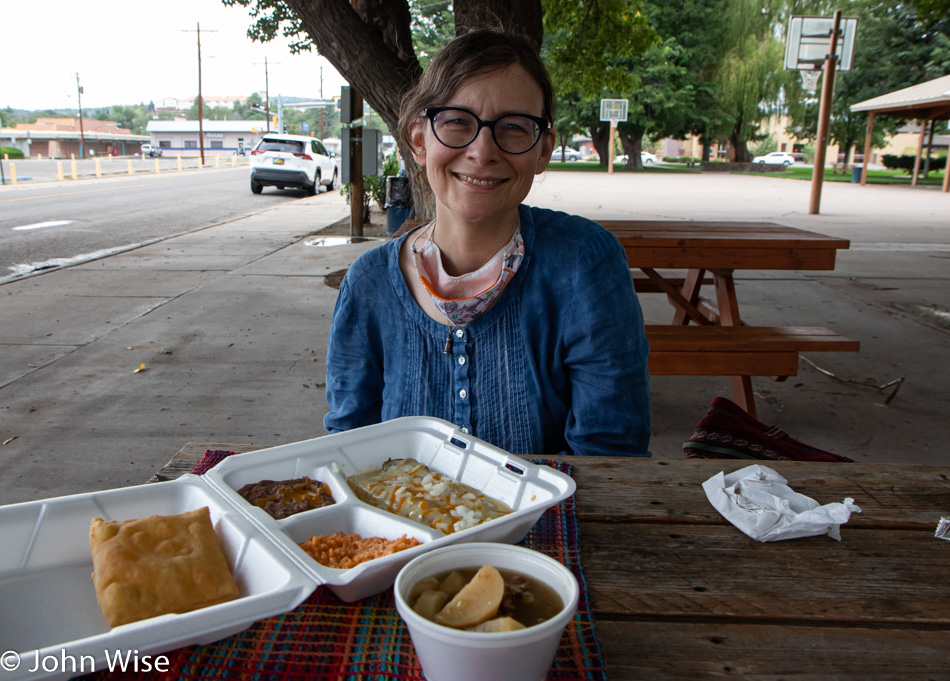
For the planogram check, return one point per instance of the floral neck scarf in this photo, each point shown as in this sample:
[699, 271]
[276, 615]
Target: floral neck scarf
[466, 298]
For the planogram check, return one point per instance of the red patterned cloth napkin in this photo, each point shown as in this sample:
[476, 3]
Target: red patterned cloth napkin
[325, 638]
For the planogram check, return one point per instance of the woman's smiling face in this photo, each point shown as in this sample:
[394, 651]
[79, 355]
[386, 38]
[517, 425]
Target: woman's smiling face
[480, 183]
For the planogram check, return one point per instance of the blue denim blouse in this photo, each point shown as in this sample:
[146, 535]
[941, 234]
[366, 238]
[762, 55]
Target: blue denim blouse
[558, 364]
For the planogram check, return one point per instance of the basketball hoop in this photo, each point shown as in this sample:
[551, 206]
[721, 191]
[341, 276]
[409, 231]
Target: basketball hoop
[810, 80]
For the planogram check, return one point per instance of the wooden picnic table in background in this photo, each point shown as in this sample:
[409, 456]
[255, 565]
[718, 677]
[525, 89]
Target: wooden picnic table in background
[678, 593]
[708, 337]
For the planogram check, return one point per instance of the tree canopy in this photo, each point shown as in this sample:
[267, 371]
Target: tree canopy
[713, 68]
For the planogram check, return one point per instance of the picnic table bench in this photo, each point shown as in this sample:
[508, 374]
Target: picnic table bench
[709, 337]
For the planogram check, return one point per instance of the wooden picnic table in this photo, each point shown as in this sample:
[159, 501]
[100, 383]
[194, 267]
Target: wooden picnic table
[697, 342]
[678, 593]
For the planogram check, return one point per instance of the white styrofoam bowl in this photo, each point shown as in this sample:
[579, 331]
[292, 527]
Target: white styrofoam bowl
[448, 654]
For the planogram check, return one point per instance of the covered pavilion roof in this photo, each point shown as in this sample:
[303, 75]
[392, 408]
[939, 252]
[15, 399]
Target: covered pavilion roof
[929, 101]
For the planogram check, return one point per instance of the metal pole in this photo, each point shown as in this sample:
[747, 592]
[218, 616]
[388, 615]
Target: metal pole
[82, 137]
[356, 168]
[201, 130]
[610, 148]
[824, 118]
[266, 94]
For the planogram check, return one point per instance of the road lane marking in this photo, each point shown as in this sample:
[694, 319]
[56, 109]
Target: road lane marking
[43, 225]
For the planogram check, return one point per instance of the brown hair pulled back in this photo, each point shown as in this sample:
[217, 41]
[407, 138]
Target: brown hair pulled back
[472, 54]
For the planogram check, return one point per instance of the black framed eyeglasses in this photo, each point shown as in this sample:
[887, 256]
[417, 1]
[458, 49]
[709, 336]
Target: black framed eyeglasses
[457, 128]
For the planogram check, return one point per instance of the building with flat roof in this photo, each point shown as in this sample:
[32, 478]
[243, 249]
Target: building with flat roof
[63, 138]
[221, 138]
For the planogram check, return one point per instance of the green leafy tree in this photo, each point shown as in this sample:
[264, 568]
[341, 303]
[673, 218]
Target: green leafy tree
[324, 121]
[568, 122]
[9, 118]
[588, 42]
[433, 25]
[588, 49]
[662, 106]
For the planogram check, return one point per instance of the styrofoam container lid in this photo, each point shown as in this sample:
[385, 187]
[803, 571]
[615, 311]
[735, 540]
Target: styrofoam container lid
[49, 601]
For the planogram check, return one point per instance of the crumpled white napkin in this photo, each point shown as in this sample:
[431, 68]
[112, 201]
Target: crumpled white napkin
[759, 502]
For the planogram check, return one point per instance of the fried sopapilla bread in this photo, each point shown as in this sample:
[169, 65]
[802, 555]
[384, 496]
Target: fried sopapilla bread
[158, 565]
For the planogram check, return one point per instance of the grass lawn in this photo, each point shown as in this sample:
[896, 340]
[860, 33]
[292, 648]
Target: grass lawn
[874, 176]
[591, 167]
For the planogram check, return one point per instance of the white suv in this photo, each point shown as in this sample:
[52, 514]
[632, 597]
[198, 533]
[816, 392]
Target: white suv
[775, 158]
[281, 160]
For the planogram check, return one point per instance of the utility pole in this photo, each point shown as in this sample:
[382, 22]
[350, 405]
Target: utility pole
[267, 92]
[201, 130]
[82, 136]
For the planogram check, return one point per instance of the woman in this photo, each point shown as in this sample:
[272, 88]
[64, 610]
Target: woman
[520, 325]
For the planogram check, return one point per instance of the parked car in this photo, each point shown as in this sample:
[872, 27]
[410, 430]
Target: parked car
[566, 154]
[151, 150]
[776, 157]
[281, 161]
[646, 159]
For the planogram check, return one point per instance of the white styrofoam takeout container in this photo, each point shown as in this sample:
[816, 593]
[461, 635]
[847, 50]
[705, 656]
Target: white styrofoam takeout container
[49, 607]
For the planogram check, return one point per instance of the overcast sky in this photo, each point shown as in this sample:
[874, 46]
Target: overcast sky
[127, 52]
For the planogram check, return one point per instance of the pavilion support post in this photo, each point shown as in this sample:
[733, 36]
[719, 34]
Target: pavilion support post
[920, 151]
[867, 149]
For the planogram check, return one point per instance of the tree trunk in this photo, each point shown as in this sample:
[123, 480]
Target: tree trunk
[370, 44]
[632, 144]
[738, 144]
[600, 137]
[371, 49]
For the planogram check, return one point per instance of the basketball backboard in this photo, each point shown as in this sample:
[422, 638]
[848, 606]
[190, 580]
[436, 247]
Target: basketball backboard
[809, 42]
[613, 109]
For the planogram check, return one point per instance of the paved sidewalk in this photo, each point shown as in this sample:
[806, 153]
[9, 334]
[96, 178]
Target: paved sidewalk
[231, 325]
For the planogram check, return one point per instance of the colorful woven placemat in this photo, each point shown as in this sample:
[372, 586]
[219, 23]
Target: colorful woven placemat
[325, 638]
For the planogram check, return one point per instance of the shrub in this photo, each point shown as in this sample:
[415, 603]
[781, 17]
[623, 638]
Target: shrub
[906, 162]
[374, 186]
[12, 152]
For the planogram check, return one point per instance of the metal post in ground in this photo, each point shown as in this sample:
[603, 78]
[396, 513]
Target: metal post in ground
[824, 118]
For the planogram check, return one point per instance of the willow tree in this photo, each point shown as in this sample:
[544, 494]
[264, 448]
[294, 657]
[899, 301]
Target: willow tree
[751, 74]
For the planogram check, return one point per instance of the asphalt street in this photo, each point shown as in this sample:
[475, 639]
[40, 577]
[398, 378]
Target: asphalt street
[53, 223]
